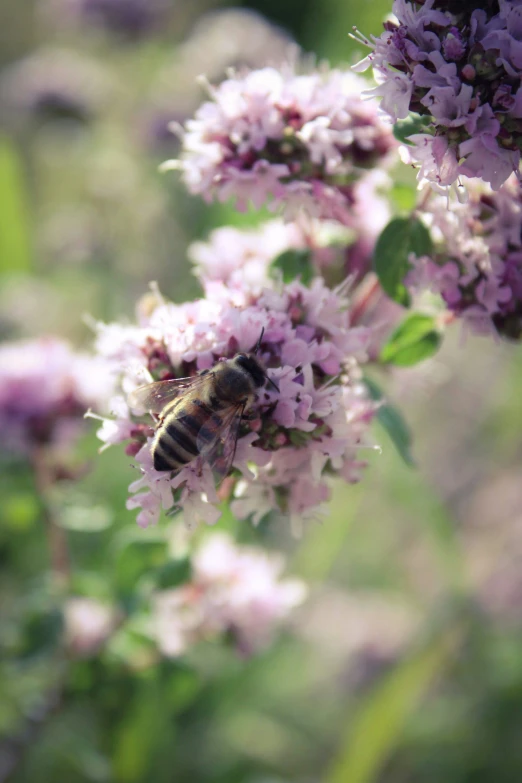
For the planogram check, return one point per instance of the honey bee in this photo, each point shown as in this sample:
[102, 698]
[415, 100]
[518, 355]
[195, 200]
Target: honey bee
[200, 416]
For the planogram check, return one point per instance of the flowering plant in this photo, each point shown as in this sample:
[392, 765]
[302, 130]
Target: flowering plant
[232, 590]
[298, 140]
[476, 265]
[124, 647]
[311, 425]
[45, 388]
[456, 67]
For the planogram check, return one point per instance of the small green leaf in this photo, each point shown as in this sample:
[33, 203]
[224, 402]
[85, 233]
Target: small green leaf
[41, 631]
[391, 419]
[416, 339]
[293, 264]
[15, 248]
[403, 196]
[420, 239]
[173, 573]
[413, 124]
[137, 559]
[398, 239]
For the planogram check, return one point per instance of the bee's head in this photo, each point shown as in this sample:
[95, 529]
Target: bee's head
[249, 363]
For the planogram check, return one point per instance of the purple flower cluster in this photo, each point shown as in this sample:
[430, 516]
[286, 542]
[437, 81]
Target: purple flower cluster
[478, 266]
[235, 591]
[459, 67]
[301, 141]
[295, 437]
[45, 389]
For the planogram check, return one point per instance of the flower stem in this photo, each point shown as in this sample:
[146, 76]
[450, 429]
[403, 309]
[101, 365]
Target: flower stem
[56, 535]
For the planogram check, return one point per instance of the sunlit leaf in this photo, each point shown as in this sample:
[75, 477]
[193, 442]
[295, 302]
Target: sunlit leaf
[293, 264]
[19, 511]
[415, 123]
[403, 196]
[136, 559]
[15, 246]
[173, 573]
[416, 338]
[398, 239]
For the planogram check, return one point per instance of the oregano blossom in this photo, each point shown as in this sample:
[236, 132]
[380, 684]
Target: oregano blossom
[459, 68]
[233, 590]
[311, 427]
[277, 136]
[477, 266]
[45, 389]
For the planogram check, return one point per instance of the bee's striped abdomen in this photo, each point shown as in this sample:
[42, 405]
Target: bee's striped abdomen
[183, 434]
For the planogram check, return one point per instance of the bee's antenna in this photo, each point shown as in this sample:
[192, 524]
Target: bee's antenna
[270, 381]
[258, 344]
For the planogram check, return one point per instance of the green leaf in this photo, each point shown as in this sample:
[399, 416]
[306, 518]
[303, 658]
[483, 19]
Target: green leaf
[174, 573]
[417, 338]
[137, 559]
[407, 127]
[41, 632]
[15, 246]
[141, 734]
[293, 264]
[398, 239]
[392, 420]
[420, 239]
[403, 196]
[375, 730]
[182, 685]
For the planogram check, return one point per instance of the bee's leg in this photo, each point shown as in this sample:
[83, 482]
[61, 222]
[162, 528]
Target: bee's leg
[199, 467]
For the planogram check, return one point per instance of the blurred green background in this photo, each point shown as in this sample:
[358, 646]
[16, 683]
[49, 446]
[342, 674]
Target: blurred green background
[406, 662]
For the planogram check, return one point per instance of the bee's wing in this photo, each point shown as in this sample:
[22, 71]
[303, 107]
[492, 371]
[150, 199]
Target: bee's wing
[153, 397]
[217, 439]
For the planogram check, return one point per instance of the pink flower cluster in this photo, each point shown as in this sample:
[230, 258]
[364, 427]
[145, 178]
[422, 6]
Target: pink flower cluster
[45, 389]
[478, 266]
[87, 625]
[240, 260]
[295, 437]
[459, 67]
[233, 590]
[301, 141]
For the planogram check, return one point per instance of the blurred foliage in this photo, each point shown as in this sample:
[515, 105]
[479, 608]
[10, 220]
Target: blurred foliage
[406, 664]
